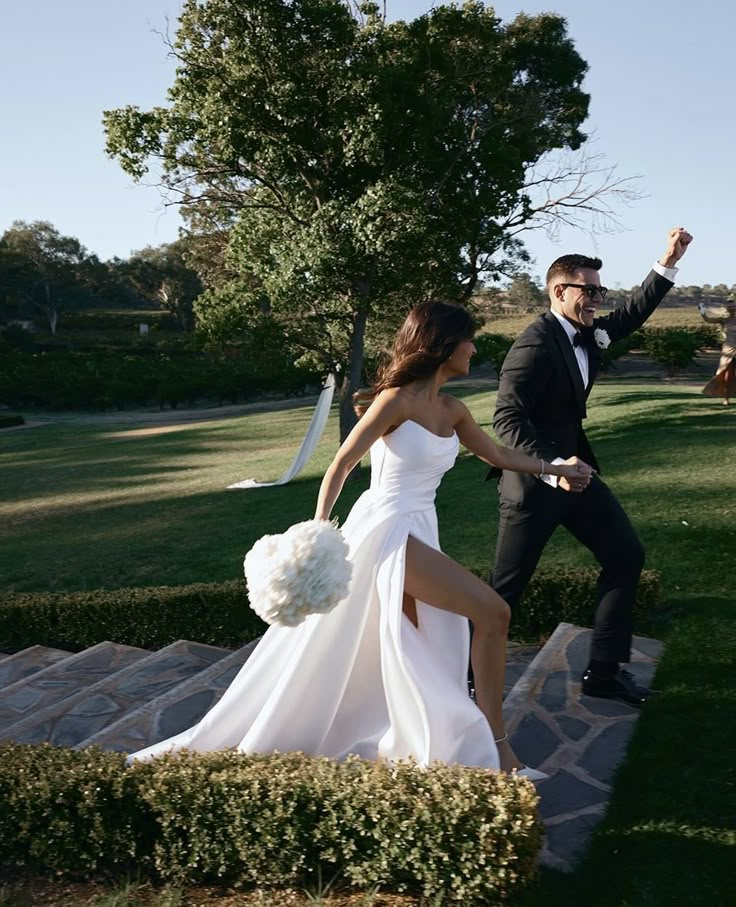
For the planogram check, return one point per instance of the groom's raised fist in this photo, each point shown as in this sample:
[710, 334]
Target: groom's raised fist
[678, 239]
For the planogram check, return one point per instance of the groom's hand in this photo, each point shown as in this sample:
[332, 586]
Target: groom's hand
[678, 239]
[579, 477]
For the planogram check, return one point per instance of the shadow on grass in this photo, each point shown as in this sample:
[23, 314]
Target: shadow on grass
[668, 837]
[120, 511]
[165, 539]
[72, 460]
[650, 866]
[671, 420]
[655, 395]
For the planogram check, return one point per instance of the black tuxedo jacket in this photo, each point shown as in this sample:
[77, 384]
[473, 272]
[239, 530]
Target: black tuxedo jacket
[541, 402]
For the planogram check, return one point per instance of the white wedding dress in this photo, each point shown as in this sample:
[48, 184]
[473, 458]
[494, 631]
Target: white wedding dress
[363, 679]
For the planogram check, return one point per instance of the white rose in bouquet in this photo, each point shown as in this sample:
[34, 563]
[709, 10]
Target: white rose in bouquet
[303, 571]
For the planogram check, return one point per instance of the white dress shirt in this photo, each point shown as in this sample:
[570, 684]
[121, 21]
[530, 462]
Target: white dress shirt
[581, 354]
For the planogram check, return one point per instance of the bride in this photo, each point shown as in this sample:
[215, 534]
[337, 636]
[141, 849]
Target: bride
[384, 675]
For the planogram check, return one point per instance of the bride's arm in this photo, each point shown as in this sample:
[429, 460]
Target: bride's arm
[386, 410]
[472, 436]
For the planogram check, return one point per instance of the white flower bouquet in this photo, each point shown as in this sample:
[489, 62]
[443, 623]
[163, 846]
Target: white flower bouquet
[303, 571]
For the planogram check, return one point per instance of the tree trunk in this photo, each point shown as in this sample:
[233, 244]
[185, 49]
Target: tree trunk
[351, 382]
[351, 379]
[49, 309]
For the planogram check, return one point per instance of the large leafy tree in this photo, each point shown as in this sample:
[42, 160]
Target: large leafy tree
[355, 166]
[163, 274]
[524, 293]
[43, 270]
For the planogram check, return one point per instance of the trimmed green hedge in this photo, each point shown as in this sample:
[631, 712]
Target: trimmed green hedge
[467, 835]
[115, 379]
[218, 613]
[672, 348]
[492, 348]
[213, 613]
[117, 320]
[568, 594]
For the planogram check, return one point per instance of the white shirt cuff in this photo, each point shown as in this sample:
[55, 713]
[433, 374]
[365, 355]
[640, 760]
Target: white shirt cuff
[668, 273]
[552, 480]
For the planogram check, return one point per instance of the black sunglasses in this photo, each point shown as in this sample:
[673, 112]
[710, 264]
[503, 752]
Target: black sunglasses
[590, 289]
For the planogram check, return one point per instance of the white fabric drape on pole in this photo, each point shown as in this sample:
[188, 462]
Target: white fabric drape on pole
[310, 441]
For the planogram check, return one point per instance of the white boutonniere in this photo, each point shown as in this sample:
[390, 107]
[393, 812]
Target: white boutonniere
[601, 338]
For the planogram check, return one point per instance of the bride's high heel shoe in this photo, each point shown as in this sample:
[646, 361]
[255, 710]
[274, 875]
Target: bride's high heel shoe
[533, 774]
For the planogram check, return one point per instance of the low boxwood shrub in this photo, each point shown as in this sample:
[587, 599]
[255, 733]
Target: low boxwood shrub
[492, 348]
[709, 335]
[620, 348]
[67, 811]
[213, 613]
[466, 835]
[219, 614]
[568, 594]
[672, 348]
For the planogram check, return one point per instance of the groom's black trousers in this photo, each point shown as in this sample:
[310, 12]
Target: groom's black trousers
[596, 519]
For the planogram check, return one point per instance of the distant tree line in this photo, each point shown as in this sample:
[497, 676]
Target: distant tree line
[44, 275]
[48, 277]
[525, 293]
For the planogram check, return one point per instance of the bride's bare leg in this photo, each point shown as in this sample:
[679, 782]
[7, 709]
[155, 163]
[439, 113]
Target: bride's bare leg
[409, 607]
[434, 578]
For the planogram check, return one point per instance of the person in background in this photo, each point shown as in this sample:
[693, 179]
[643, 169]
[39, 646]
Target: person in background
[723, 383]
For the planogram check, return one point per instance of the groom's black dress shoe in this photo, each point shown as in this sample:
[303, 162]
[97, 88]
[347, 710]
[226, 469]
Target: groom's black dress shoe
[621, 686]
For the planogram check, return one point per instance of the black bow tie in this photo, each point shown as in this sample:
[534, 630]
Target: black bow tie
[579, 340]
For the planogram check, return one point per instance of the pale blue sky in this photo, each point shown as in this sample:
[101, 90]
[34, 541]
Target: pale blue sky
[661, 79]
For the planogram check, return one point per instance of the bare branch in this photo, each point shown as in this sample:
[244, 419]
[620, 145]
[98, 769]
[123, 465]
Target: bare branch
[575, 189]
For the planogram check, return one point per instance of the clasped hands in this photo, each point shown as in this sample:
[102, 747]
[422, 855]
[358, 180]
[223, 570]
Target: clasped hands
[577, 475]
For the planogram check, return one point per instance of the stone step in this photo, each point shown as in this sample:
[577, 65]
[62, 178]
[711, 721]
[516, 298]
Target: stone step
[64, 678]
[187, 703]
[26, 662]
[578, 740]
[174, 711]
[93, 708]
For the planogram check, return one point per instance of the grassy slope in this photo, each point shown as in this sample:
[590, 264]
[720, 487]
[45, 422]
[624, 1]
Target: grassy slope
[96, 504]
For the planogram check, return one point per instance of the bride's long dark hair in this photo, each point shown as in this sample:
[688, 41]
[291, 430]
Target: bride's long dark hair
[426, 339]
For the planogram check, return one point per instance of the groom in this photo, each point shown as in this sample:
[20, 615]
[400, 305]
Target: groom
[544, 385]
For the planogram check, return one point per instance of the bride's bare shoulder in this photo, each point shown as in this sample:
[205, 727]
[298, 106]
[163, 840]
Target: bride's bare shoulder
[394, 400]
[456, 408]
[391, 396]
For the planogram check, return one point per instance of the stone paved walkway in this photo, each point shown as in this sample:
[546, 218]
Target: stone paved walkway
[578, 740]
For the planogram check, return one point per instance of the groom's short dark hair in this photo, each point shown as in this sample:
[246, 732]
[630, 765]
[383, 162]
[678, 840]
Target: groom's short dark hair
[567, 265]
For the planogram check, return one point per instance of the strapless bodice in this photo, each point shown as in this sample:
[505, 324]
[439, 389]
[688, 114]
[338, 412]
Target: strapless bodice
[408, 464]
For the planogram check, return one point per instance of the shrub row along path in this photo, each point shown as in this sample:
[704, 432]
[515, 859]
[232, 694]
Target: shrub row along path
[634, 365]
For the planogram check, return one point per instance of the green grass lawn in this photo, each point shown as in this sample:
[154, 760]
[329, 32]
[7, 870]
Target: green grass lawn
[87, 504]
[94, 504]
